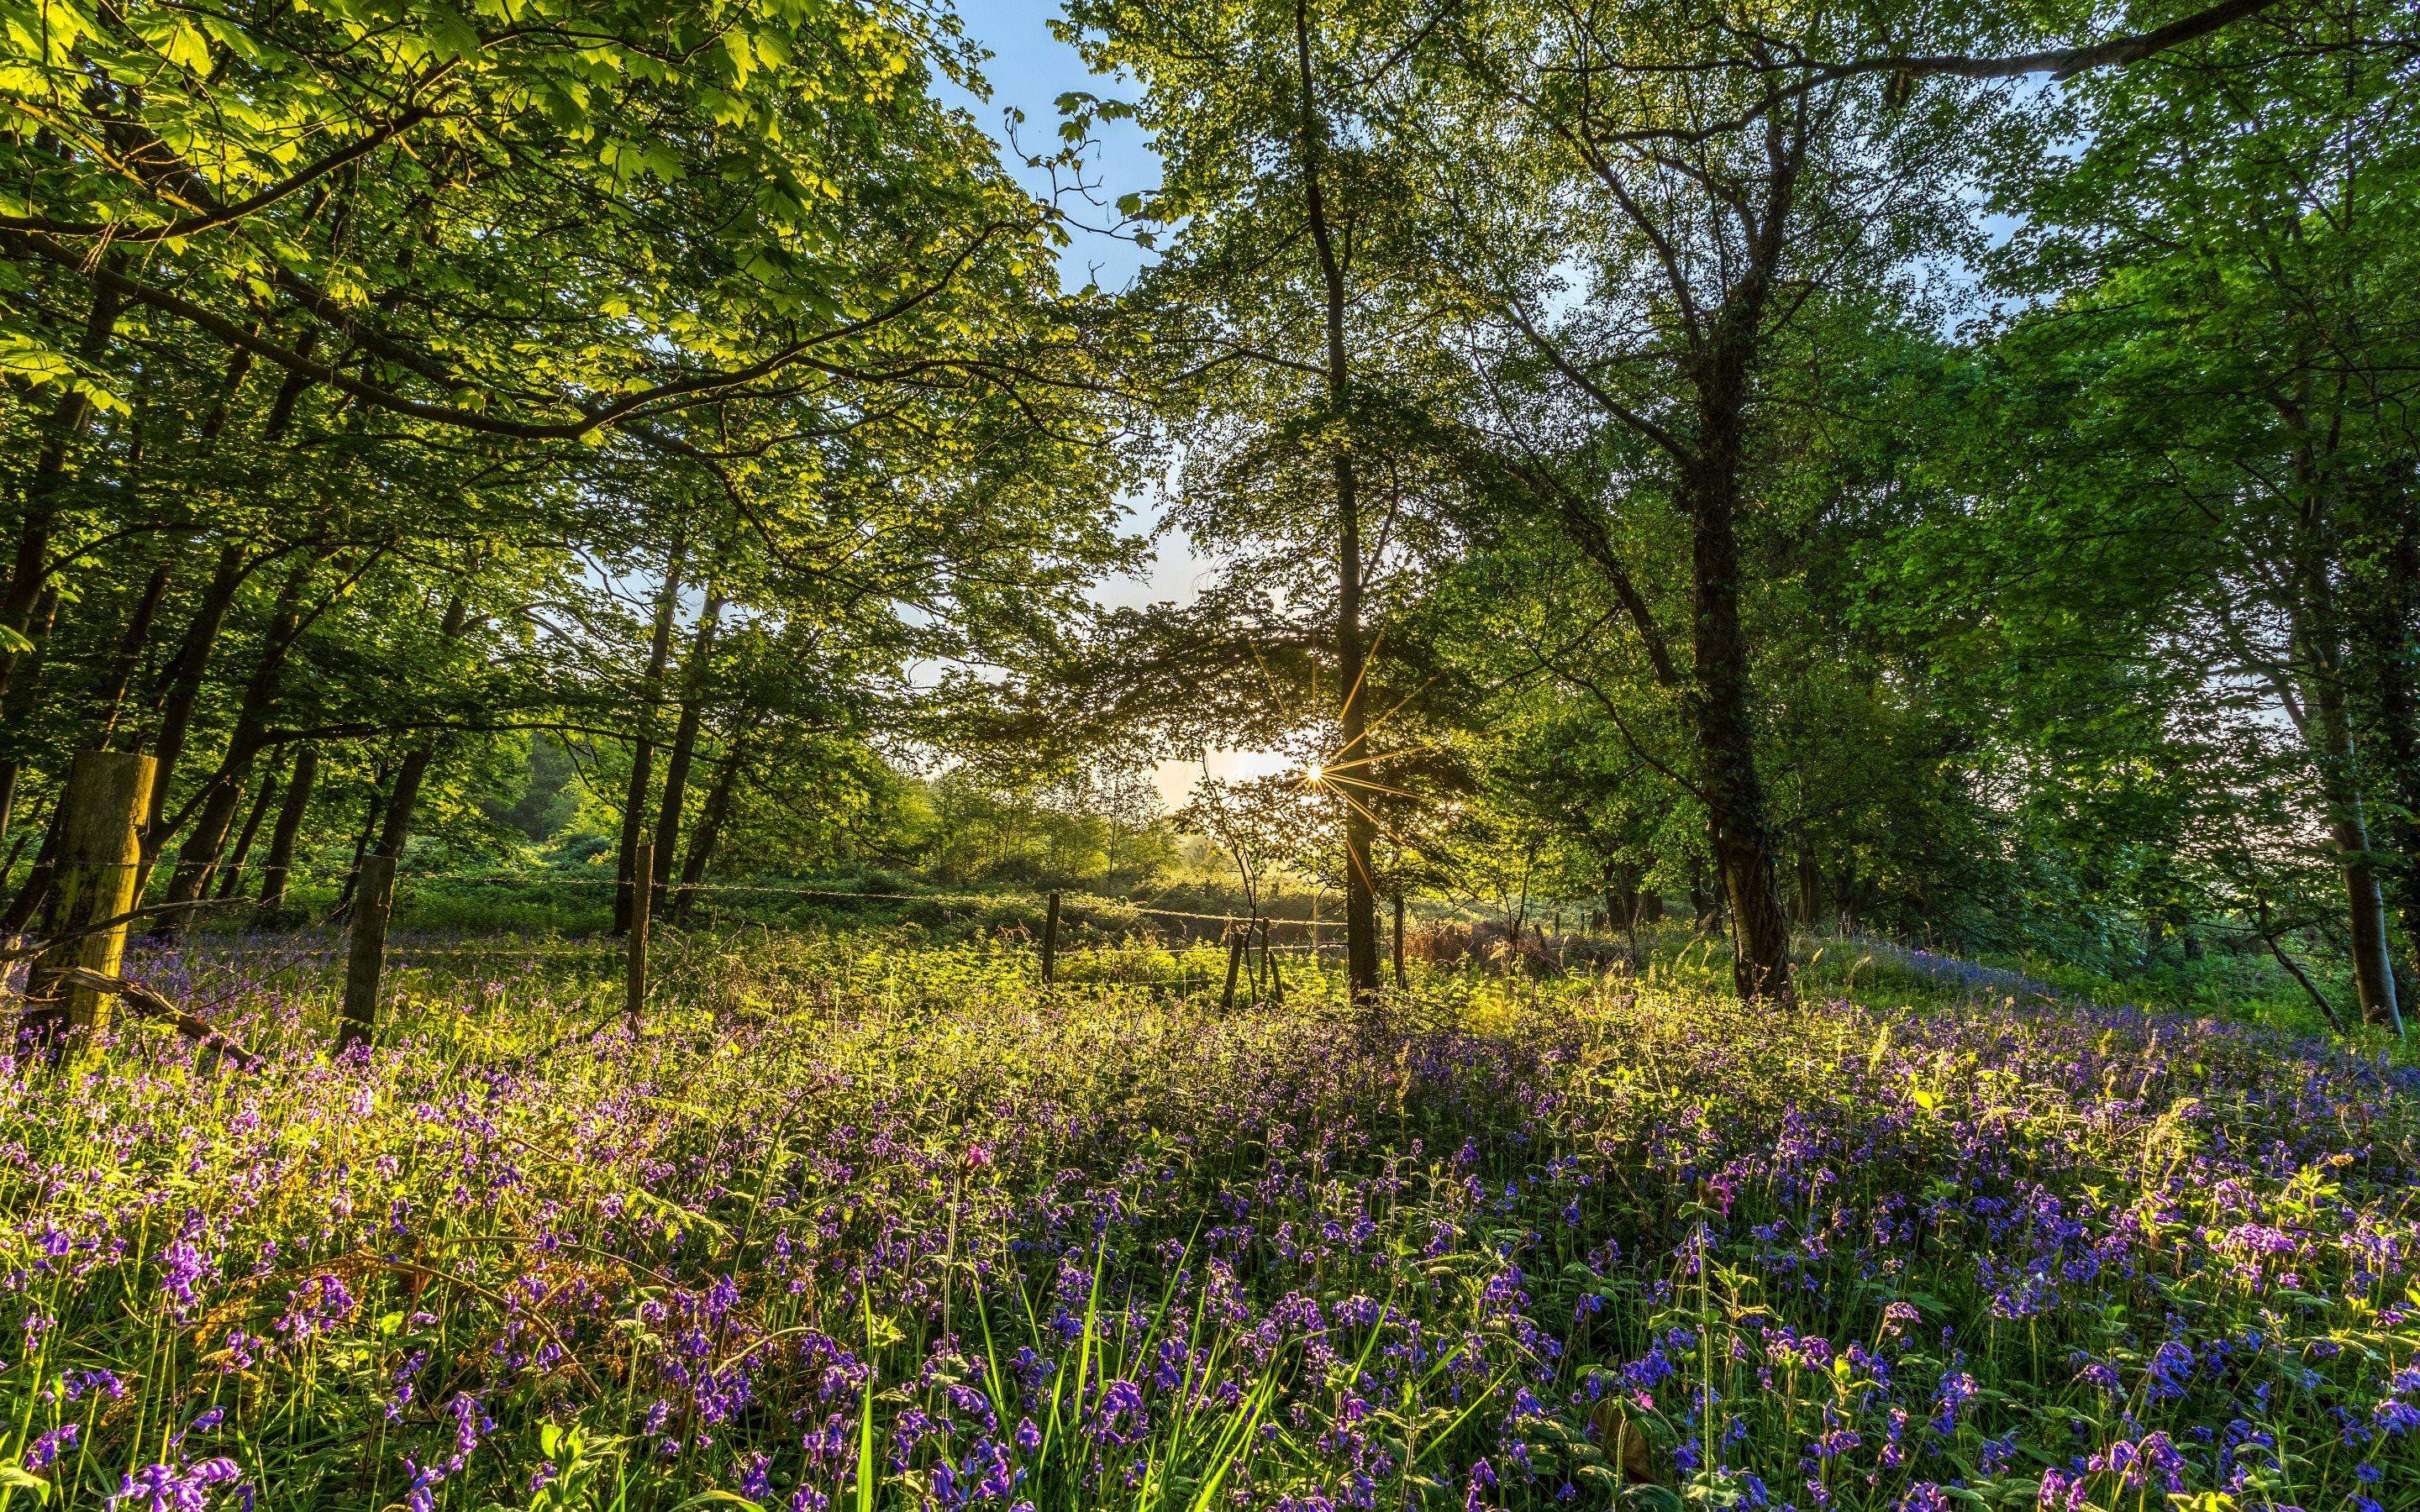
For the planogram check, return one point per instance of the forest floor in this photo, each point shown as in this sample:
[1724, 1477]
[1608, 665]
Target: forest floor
[851, 1222]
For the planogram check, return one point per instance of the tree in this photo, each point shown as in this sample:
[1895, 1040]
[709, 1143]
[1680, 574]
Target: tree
[1279, 304]
[553, 283]
[2232, 331]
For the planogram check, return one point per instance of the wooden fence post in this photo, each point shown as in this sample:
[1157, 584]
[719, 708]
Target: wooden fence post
[373, 899]
[635, 947]
[1401, 981]
[99, 828]
[1234, 966]
[1050, 942]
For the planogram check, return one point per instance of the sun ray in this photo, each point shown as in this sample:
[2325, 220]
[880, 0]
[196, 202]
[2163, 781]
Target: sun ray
[1402, 841]
[1360, 676]
[1333, 764]
[1365, 786]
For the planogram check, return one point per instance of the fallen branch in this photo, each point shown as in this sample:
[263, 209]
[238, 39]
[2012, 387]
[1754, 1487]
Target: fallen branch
[2294, 969]
[152, 1004]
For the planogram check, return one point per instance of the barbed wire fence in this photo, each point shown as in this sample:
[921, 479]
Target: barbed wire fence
[102, 872]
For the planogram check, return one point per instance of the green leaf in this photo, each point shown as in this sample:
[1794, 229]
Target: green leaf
[451, 33]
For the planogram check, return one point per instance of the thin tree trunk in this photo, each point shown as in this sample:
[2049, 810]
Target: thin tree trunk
[62, 429]
[198, 857]
[2317, 641]
[181, 684]
[289, 825]
[403, 804]
[19, 705]
[2267, 933]
[370, 812]
[37, 883]
[2385, 655]
[643, 750]
[232, 881]
[111, 700]
[1521, 914]
[693, 682]
[1353, 756]
[1731, 787]
[2373, 967]
[1705, 899]
[710, 829]
[16, 848]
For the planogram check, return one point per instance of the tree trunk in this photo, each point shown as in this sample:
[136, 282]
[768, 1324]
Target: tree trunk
[38, 882]
[2385, 658]
[16, 848]
[2373, 966]
[111, 700]
[643, 750]
[403, 800]
[693, 685]
[1726, 729]
[199, 859]
[403, 804]
[289, 825]
[183, 682]
[370, 812]
[2315, 628]
[1350, 767]
[709, 830]
[19, 705]
[1721, 337]
[231, 882]
[107, 702]
[62, 429]
[180, 683]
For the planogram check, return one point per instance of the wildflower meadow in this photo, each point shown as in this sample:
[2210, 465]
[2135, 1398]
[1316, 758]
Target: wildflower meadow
[854, 1225]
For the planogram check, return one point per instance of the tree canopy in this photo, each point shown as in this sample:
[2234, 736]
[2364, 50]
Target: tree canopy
[1945, 473]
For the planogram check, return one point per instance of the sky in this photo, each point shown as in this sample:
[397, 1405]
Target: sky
[1029, 71]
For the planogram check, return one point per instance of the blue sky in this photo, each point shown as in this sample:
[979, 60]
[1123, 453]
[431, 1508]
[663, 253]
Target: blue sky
[1030, 69]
